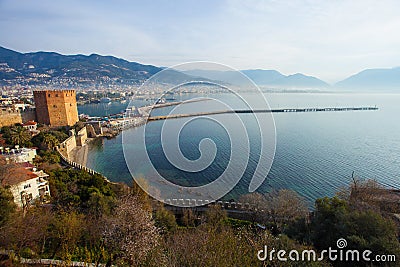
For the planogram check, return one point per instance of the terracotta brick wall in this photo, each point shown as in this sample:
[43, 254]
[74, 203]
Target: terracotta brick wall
[9, 117]
[56, 107]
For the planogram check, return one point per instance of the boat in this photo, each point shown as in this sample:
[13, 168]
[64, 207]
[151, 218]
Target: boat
[105, 100]
[161, 101]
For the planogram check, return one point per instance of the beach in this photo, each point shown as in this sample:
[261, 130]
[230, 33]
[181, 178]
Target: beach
[80, 154]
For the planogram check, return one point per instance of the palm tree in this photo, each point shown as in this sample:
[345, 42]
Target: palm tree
[19, 135]
[50, 141]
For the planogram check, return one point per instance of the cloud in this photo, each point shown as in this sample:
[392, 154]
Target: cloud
[329, 39]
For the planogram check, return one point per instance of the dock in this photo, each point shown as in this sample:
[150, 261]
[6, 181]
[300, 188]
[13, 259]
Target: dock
[283, 110]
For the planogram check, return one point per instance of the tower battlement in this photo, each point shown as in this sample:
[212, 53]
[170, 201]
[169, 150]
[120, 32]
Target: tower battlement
[56, 107]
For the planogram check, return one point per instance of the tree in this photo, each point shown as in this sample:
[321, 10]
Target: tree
[328, 221]
[259, 206]
[50, 141]
[334, 218]
[28, 231]
[369, 230]
[286, 206]
[369, 195]
[215, 216]
[66, 231]
[19, 135]
[227, 247]
[189, 218]
[278, 208]
[7, 205]
[165, 219]
[130, 234]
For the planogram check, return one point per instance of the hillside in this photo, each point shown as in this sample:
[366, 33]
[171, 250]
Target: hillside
[271, 78]
[373, 79]
[299, 80]
[72, 70]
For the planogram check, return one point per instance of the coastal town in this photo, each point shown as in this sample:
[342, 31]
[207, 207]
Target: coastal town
[38, 111]
[199, 133]
[44, 146]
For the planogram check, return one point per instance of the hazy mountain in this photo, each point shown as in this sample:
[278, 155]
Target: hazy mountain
[54, 68]
[228, 77]
[299, 80]
[264, 77]
[373, 79]
[270, 78]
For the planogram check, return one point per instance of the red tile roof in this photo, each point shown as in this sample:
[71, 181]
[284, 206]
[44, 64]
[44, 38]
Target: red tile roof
[18, 175]
[29, 123]
[27, 165]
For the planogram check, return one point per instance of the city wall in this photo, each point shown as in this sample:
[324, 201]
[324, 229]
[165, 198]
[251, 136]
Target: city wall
[75, 140]
[67, 146]
[81, 137]
[9, 117]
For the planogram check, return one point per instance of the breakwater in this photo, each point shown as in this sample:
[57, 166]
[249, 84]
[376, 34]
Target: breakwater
[284, 110]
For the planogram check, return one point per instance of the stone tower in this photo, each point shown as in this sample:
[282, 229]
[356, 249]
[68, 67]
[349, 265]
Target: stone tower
[56, 107]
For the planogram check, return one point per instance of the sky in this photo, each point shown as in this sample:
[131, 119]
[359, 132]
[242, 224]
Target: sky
[327, 39]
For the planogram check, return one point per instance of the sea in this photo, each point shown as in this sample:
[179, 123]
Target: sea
[316, 155]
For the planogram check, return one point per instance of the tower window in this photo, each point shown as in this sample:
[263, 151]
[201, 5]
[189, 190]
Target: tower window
[48, 95]
[56, 95]
[54, 106]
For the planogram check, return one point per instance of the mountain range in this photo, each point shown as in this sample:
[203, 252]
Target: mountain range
[373, 79]
[72, 70]
[50, 68]
[270, 78]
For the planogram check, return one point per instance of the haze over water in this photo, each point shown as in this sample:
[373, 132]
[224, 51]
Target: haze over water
[316, 153]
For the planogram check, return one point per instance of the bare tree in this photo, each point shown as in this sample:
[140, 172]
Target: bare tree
[189, 217]
[285, 206]
[277, 207]
[215, 216]
[370, 195]
[258, 204]
[130, 234]
[29, 230]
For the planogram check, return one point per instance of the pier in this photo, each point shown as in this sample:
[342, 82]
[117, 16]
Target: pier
[283, 110]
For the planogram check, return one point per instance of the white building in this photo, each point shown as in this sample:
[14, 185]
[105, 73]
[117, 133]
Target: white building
[29, 186]
[31, 126]
[20, 106]
[19, 155]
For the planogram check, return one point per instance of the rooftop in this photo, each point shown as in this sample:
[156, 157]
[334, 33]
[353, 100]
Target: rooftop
[29, 123]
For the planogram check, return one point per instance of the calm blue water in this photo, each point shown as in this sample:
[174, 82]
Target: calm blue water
[315, 154]
[105, 109]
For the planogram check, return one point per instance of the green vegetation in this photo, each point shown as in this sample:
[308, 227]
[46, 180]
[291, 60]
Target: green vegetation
[78, 190]
[93, 221]
[7, 205]
[16, 135]
[46, 140]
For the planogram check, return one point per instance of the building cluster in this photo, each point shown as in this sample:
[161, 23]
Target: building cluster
[26, 183]
[54, 108]
[50, 107]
